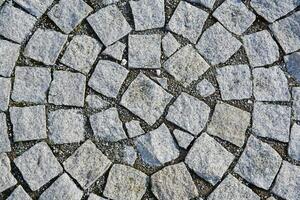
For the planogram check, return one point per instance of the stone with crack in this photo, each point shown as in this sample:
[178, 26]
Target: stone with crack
[5, 89]
[35, 7]
[115, 50]
[7, 179]
[19, 194]
[4, 139]
[9, 53]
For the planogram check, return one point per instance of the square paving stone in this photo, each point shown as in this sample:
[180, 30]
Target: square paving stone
[146, 99]
[235, 82]
[4, 140]
[9, 53]
[188, 21]
[169, 44]
[115, 50]
[189, 113]
[45, 46]
[125, 183]
[66, 126]
[62, 188]
[148, 14]
[19, 194]
[235, 16]
[29, 123]
[5, 88]
[68, 14]
[217, 45]
[38, 165]
[183, 138]
[208, 159]
[144, 51]
[31, 84]
[35, 7]
[206, 3]
[186, 65]
[205, 88]
[15, 24]
[292, 64]
[259, 163]
[134, 128]
[296, 103]
[109, 24]
[7, 179]
[81, 53]
[173, 182]
[67, 88]
[107, 78]
[87, 164]
[294, 143]
[271, 121]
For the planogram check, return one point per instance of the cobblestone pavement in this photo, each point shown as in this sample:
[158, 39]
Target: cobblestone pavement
[150, 99]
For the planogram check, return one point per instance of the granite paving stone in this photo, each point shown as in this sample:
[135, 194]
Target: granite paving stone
[292, 63]
[95, 197]
[129, 155]
[169, 44]
[183, 138]
[108, 2]
[96, 102]
[205, 88]
[5, 89]
[9, 53]
[296, 103]
[294, 142]
[4, 138]
[19, 194]
[206, 3]
[134, 128]
[7, 179]
[35, 7]
[115, 50]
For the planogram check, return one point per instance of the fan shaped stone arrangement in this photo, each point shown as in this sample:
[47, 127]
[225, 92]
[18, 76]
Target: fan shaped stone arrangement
[149, 99]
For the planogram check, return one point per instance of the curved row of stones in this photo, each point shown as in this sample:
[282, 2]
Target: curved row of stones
[29, 93]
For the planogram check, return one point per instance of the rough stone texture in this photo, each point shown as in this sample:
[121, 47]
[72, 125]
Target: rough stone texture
[125, 183]
[188, 21]
[109, 24]
[292, 63]
[96, 102]
[186, 65]
[169, 44]
[31, 84]
[206, 3]
[107, 78]
[208, 159]
[157, 147]
[81, 53]
[29, 123]
[19, 194]
[7, 180]
[296, 103]
[217, 45]
[146, 99]
[87, 164]
[134, 128]
[108, 2]
[205, 88]
[4, 140]
[9, 53]
[67, 88]
[5, 88]
[148, 14]
[294, 143]
[107, 126]
[95, 197]
[260, 48]
[271, 121]
[259, 163]
[183, 138]
[189, 113]
[115, 50]
[235, 82]
[38, 165]
[35, 7]
[129, 155]
[173, 182]
[270, 84]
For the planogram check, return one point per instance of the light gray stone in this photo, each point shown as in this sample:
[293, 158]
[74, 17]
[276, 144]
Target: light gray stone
[205, 88]
[292, 63]
[7, 179]
[183, 138]
[134, 128]
[35, 7]
[296, 103]
[19, 194]
[95, 197]
[173, 182]
[38, 165]
[259, 163]
[29, 123]
[5, 88]
[125, 183]
[4, 140]
[87, 164]
[217, 45]
[31, 84]
[189, 113]
[107, 78]
[169, 44]
[108, 2]
[186, 65]
[294, 143]
[163, 82]
[109, 24]
[208, 159]
[115, 50]
[271, 198]
[188, 21]
[129, 155]
[206, 3]
[96, 102]
[9, 53]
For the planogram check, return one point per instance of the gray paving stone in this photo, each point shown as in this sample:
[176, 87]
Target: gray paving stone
[87, 164]
[134, 128]
[271, 121]
[259, 163]
[29, 123]
[217, 45]
[96, 102]
[188, 21]
[31, 84]
[67, 88]
[169, 44]
[107, 78]
[157, 147]
[189, 113]
[235, 82]
[296, 103]
[163, 82]
[235, 16]
[9, 53]
[62, 188]
[148, 14]
[15, 24]
[107, 126]
[205, 88]
[4, 140]
[45, 46]
[129, 155]
[232, 189]
[125, 183]
[287, 32]
[287, 184]
[115, 50]
[7, 179]
[183, 138]
[35, 7]
[173, 182]
[95, 197]
[19, 194]
[81, 53]
[146, 99]
[294, 143]
[109, 24]
[186, 65]
[208, 159]
[108, 2]
[5, 88]
[270, 84]
[38, 165]
[206, 3]
[271, 198]
[292, 63]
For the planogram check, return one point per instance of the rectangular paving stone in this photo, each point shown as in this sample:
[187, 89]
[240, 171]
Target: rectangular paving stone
[4, 140]
[7, 179]
[292, 64]
[35, 7]
[294, 143]
[296, 103]
[19, 194]
[5, 88]
[9, 53]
